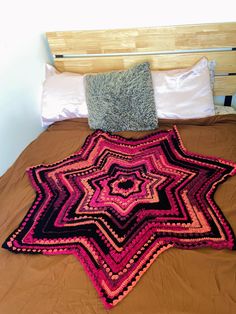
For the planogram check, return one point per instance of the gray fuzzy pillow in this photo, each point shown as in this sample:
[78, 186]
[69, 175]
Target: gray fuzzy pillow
[122, 100]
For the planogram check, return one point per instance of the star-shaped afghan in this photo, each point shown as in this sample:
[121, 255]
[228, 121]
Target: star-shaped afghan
[118, 203]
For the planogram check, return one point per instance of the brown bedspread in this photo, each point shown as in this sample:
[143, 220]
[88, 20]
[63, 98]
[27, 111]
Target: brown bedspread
[179, 281]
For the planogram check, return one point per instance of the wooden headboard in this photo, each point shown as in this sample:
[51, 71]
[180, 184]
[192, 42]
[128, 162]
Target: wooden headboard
[164, 47]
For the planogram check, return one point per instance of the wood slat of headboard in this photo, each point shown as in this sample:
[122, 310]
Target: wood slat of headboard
[225, 85]
[166, 38]
[225, 62]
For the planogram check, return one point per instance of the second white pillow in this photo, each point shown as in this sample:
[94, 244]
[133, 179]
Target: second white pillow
[184, 93]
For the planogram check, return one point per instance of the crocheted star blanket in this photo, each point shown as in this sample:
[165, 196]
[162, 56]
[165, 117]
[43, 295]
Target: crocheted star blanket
[118, 203]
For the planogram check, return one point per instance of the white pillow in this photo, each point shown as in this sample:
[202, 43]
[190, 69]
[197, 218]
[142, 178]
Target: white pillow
[63, 96]
[184, 93]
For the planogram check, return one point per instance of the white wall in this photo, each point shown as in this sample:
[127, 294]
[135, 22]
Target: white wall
[23, 50]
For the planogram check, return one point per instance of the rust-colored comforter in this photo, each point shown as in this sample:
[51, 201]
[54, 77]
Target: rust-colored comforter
[179, 281]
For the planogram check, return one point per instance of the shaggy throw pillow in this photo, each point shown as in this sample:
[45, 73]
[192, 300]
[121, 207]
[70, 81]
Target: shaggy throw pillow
[122, 100]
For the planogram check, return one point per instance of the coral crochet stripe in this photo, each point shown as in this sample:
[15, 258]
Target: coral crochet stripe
[118, 203]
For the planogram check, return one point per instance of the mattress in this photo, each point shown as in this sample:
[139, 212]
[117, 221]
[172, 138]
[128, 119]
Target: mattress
[179, 281]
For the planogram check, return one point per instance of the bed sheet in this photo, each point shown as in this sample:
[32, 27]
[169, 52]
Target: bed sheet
[179, 281]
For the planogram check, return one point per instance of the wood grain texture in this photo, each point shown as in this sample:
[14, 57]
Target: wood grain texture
[225, 62]
[155, 39]
[225, 85]
[166, 38]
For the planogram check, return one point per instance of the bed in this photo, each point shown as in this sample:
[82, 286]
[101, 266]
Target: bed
[179, 281]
